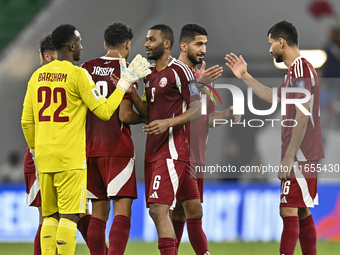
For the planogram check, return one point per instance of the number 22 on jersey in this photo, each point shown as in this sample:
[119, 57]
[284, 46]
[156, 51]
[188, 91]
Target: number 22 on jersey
[46, 96]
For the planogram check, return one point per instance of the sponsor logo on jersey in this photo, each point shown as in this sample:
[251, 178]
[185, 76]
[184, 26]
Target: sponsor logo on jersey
[163, 82]
[284, 200]
[107, 62]
[96, 94]
[300, 84]
[154, 195]
[146, 85]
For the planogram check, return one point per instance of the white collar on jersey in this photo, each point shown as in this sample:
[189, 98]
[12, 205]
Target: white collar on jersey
[173, 60]
[109, 58]
[299, 57]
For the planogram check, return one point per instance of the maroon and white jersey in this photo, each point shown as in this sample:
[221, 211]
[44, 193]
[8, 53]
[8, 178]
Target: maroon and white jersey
[29, 166]
[199, 129]
[302, 75]
[168, 93]
[106, 138]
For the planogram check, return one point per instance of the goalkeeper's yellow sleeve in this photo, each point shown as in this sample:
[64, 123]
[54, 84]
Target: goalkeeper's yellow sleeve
[105, 111]
[29, 132]
[27, 121]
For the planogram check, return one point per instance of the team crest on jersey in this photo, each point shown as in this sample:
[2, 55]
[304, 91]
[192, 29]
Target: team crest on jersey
[193, 89]
[300, 84]
[163, 82]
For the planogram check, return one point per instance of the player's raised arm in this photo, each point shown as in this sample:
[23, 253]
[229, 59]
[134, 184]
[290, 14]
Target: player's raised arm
[138, 69]
[239, 67]
[210, 74]
[126, 113]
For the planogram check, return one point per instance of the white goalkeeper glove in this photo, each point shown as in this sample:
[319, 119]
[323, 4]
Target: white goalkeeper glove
[35, 164]
[139, 68]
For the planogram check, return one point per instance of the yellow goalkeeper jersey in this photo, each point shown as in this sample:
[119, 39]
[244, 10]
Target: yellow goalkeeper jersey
[55, 106]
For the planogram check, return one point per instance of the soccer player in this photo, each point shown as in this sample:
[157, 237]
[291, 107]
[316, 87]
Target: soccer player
[109, 149]
[170, 101]
[302, 145]
[193, 41]
[53, 122]
[33, 198]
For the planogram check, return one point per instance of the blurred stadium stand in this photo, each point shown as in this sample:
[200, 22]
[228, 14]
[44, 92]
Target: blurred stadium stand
[15, 15]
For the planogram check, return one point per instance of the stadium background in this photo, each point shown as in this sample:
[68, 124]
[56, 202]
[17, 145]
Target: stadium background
[246, 210]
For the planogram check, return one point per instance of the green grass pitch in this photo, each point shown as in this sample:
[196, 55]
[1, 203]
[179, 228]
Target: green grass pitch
[142, 248]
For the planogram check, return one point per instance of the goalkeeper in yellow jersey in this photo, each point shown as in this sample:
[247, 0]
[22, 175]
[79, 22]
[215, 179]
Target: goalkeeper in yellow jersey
[53, 122]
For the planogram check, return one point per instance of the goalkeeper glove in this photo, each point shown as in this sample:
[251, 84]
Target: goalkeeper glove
[139, 68]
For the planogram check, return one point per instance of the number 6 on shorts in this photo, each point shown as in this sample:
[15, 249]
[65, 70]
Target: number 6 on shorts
[156, 182]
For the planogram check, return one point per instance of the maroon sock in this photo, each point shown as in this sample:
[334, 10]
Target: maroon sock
[96, 236]
[290, 235]
[308, 236]
[37, 247]
[167, 246]
[176, 245]
[197, 237]
[178, 227]
[119, 235]
[83, 225]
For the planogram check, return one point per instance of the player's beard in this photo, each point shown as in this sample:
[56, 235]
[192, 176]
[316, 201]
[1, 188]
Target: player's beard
[278, 57]
[76, 56]
[156, 53]
[193, 57]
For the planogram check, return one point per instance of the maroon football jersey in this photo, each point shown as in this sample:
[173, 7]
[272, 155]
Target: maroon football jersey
[28, 162]
[168, 93]
[302, 75]
[199, 129]
[106, 138]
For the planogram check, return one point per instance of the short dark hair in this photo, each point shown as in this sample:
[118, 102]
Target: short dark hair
[285, 30]
[189, 31]
[45, 44]
[117, 33]
[62, 35]
[166, 32]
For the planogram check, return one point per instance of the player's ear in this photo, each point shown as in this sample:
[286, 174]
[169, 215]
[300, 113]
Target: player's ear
[184, 46]
[128, 45]
[167, 44]
[105, 45]
[281, 42]
[47, 57]
[72, 46]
